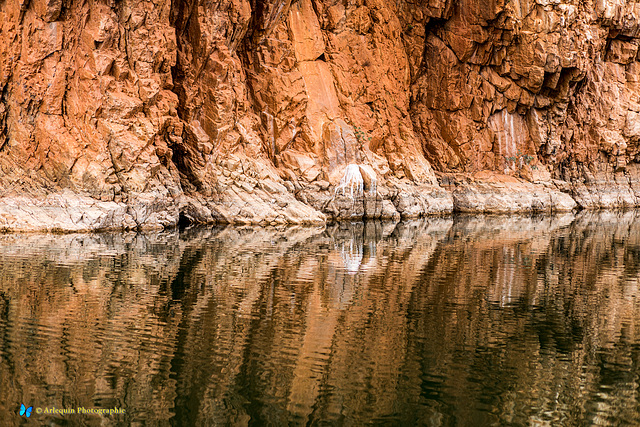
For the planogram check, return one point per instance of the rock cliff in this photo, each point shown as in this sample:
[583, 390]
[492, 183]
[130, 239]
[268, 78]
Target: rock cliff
[145, 114]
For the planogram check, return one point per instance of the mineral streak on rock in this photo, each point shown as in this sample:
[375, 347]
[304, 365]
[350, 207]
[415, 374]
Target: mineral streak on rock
[351, 180]
[146, 114]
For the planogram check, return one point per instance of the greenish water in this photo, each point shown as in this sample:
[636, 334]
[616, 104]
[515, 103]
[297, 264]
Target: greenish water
[442, 322]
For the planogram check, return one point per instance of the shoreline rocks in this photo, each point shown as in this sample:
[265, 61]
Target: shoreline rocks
[494, 194]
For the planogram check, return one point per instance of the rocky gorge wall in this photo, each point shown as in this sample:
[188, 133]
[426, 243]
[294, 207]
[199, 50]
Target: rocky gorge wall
[145, 114]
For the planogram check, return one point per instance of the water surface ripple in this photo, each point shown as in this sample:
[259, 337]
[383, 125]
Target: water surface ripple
[442, 322]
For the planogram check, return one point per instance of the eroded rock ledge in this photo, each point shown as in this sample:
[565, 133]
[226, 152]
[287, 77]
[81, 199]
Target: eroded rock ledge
[270, 203]
[149, 113]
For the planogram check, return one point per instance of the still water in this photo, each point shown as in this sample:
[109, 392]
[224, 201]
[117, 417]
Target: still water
[444, 322]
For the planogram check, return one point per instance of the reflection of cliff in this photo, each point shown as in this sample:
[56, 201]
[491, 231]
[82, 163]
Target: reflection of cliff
[530, 304]
[306, 317]
[414, 323]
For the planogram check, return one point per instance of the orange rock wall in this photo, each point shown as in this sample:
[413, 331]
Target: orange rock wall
[131, 113]
[530, 87]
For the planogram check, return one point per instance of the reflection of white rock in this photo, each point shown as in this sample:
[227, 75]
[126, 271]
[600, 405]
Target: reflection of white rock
[508, 286]
[351, 254]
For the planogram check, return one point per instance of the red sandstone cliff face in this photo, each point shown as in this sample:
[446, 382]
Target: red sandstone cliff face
[540, 89]
[130, 113]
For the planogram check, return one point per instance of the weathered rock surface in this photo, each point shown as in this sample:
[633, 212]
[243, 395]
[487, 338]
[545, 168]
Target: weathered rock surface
[144, 114]
[532, 85]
